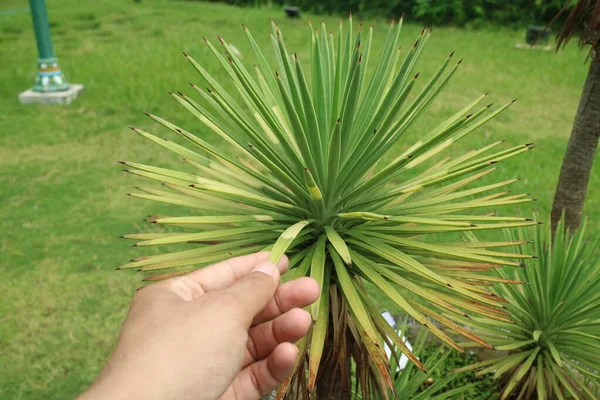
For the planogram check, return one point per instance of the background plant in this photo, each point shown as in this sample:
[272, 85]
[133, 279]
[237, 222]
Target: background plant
[308, 180]
[449, 12]
[411, 383]
[554, 344]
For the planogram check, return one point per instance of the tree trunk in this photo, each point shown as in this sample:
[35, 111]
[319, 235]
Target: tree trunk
[579, 157]
[329, 384]
[334, 377]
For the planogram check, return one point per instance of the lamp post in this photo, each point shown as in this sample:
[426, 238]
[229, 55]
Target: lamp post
[50, 77]
[50, 85]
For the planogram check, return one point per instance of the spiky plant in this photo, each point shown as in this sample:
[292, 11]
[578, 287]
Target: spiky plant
[306, 180]
[553, 346]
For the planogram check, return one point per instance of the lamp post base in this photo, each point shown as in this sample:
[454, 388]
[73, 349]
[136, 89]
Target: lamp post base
[57, 97]
[50, 78]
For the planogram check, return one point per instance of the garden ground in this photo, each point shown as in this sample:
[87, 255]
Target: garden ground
[63, 195]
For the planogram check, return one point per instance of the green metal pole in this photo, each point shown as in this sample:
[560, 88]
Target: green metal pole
[50, 77]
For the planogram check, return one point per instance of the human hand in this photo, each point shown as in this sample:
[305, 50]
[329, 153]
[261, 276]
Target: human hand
[222, 332]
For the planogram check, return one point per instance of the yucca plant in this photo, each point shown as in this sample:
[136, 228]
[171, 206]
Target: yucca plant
[302, 175]
[553, 346]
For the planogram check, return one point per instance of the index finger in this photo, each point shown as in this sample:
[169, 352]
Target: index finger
[225, 273]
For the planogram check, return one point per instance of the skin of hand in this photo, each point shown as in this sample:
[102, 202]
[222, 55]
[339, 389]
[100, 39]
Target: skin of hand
[222, 332]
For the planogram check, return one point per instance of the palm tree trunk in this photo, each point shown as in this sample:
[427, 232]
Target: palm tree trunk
[579, 157]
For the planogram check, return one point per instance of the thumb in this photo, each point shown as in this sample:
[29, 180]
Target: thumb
[254, 291]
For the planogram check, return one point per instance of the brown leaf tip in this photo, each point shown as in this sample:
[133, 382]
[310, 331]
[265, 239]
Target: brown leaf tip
[185, 54]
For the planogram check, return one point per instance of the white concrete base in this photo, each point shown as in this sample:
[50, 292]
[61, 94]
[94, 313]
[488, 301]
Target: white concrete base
[66, 97]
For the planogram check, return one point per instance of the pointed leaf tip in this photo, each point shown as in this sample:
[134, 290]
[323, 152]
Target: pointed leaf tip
[185, 54]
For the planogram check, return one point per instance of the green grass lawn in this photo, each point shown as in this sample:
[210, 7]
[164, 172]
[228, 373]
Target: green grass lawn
[63, 195]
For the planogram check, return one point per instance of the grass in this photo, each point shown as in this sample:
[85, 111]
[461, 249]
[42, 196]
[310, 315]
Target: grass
[63, 194]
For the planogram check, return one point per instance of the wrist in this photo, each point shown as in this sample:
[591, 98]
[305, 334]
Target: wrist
[110, 387]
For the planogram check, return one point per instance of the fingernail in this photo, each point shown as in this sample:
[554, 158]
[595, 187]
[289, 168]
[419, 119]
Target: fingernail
[266, 267]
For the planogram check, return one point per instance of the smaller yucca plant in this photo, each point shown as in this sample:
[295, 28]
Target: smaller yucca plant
[553, 346]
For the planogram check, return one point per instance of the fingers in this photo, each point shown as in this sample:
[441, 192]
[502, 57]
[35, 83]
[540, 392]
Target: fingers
[214, 277]
[262, 377]
[264, 338]
[226, 273]
[251, 294]
[298, 293]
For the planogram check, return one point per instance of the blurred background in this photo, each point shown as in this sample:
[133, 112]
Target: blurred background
[63, 196]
